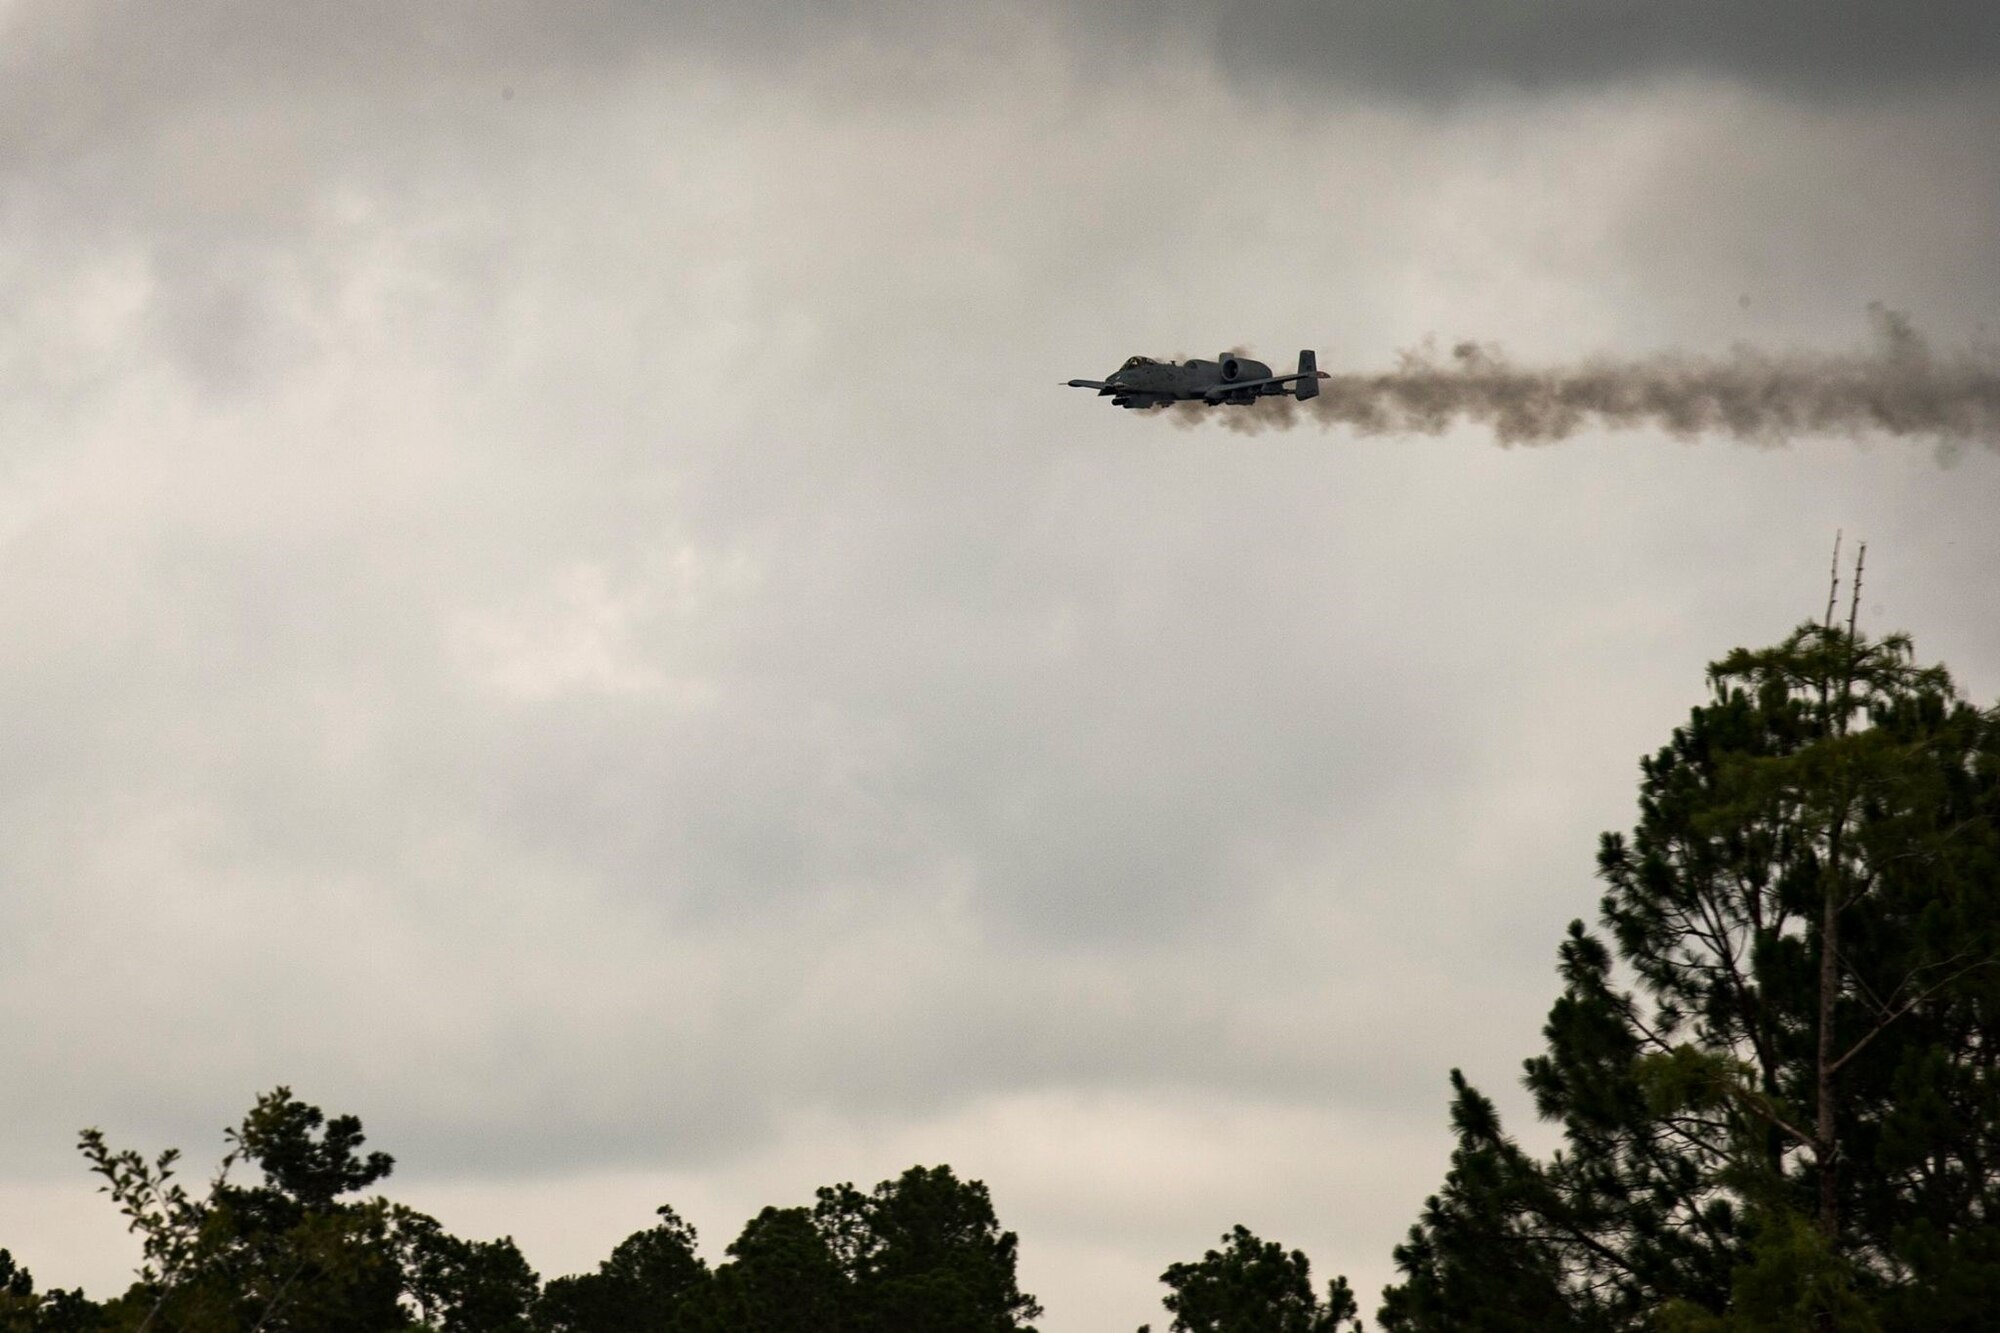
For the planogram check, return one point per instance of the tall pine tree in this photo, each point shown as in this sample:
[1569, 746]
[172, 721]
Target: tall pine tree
[1774, 1071]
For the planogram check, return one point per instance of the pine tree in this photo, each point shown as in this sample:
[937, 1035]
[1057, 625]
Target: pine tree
[1254, 1286]
[925, 1254]
[1778, 1101]
[645, 1286]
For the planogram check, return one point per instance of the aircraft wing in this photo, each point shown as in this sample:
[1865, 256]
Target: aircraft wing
[1220, 391]
[1086, 384]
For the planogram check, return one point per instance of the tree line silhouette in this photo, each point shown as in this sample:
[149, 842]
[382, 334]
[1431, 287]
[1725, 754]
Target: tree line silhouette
[1775, 1065]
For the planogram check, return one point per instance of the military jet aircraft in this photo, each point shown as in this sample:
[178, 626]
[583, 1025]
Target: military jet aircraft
[1236, 380]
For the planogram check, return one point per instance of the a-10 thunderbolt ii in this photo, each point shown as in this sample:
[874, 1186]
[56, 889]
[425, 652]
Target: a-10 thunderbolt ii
[1237, 380]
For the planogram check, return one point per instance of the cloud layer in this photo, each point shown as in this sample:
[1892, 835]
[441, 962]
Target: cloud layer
[574, 624]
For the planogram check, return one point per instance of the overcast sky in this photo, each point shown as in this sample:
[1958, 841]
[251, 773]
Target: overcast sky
[553, 600]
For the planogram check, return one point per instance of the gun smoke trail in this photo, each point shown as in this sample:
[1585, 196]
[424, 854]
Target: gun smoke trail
[1899, 386]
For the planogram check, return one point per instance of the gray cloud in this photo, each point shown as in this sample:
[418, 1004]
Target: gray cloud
[1431, 47]
[578, 627]
[433, 50]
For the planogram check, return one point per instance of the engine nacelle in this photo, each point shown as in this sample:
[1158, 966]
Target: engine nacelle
[1236, 368]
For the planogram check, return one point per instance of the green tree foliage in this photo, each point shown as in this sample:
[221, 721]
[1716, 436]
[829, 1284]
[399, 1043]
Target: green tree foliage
[54, 1311]
[1478, 1259]
[298, 1252]
[293, 1252]
[646, 1286]
[18, 1303]
[284, 1254]
[1254, 1286]
[782, 1278]
[1778, 1101]
[920, 1254]
[461, 1286]
[925, 1254]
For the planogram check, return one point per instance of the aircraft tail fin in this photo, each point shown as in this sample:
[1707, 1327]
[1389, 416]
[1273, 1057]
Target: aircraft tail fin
[1309, 376]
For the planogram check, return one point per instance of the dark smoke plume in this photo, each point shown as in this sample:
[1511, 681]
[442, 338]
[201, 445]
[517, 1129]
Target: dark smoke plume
[1898, 386]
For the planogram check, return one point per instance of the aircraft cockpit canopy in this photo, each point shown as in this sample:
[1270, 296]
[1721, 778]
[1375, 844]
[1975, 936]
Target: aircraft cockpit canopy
[1141, 361]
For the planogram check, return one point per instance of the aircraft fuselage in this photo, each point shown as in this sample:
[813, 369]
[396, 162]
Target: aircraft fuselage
[1229, 379]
